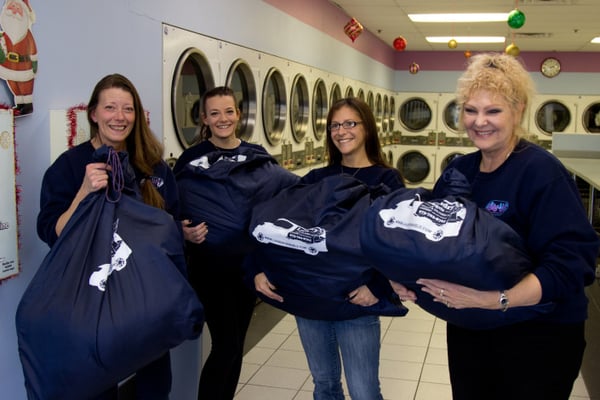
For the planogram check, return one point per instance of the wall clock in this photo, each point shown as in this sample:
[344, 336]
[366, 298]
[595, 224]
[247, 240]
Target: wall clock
[550, 67]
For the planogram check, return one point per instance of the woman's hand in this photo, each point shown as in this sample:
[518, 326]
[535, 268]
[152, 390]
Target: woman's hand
[195, 234]
[402, 292]
[458, 296]
[262, 285]
[362, 296]
[96, 178]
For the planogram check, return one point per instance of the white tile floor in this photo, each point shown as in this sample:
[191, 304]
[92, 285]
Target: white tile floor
[413, 362]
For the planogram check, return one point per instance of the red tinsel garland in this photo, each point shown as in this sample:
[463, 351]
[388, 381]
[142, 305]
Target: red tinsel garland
[72, 118]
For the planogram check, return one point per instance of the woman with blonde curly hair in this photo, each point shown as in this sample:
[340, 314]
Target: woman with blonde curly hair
[528, 188]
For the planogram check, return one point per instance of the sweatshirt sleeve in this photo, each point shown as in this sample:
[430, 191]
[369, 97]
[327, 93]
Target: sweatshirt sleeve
[59, 187]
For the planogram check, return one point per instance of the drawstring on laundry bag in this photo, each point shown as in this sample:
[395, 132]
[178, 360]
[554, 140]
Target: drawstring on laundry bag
[116, 177]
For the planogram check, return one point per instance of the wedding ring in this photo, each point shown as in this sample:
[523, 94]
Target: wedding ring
[448, 304]
[441, 292]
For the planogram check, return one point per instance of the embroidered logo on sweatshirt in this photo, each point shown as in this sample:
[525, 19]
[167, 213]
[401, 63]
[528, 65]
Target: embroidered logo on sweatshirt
[497, 207]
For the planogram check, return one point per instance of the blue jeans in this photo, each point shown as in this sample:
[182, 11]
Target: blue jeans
[358, 341]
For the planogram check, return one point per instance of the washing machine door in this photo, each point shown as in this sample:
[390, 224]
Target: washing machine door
[274, 106]
[552, 116]
[591, 118]
[451, 116]
[192, 78]
[319, 110]
[449, 158]
[241, 81]
[299, 109]
[414, 166]
[415, 114]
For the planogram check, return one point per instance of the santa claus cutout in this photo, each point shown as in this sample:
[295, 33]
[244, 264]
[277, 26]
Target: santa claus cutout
[18, 53]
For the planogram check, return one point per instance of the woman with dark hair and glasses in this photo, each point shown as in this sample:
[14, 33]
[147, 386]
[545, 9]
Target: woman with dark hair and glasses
[354, 148]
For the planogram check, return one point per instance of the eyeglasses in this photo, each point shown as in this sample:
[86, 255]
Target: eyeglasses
[346, 125]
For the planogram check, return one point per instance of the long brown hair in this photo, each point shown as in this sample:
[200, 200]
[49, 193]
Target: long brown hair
[372, 144]
[145, 151]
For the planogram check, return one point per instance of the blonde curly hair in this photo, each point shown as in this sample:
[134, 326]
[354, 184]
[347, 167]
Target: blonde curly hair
[502, 75]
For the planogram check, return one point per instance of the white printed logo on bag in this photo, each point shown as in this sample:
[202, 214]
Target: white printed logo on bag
[118, 260]
[284, 232]
[434, 219]
[203, 162]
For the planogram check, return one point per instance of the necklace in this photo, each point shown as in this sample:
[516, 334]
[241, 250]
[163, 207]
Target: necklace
[354, 174]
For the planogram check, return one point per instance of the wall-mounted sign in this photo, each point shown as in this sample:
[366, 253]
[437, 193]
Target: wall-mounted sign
[9, 235]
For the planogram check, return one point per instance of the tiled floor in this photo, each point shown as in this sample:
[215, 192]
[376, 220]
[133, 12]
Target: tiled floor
[413, 363]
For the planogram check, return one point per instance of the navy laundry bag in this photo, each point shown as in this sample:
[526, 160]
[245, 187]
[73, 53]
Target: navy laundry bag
[412, 234]
[221, 188]
[110, 297]
[308, 246]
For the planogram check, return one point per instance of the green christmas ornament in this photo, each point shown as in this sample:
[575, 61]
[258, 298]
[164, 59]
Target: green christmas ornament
[516, 19]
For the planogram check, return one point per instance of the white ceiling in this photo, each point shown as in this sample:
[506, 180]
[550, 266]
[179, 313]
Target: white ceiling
[550, 25]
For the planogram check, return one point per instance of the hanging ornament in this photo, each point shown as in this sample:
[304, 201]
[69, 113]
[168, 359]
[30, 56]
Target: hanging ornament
[400, 43]
[512, 50]
[452, 44]
[516, 19]
[468, 54]
[414, 68]
[353, 29]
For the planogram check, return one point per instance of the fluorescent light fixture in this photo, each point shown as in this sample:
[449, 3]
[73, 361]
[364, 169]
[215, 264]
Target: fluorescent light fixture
[466, 39]
[596, 40]
[455, 17]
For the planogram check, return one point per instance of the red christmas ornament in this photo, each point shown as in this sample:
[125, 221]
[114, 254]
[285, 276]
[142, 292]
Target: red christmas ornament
[353, 29]
[414, 68]
[399, 43]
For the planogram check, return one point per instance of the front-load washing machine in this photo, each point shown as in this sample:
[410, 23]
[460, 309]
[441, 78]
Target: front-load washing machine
[549, 114]
[240, 70]
[189, 62]
[416, 159]
[588, 120]
[417, 112]
[452, 147]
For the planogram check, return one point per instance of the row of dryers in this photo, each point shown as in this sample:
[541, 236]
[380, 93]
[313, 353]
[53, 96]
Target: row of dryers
[431, 136]
[284, 104]
[422, 158]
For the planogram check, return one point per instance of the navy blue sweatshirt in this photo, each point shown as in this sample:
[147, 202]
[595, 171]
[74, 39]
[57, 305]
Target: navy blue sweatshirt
[535, 194]
[64, 177]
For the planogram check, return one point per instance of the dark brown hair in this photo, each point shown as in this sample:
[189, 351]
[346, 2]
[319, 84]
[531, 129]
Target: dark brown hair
[205, 132]
[372, 144]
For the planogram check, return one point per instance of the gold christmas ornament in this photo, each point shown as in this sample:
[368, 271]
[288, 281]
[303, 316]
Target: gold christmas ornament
[452, 44]
[512, 50]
